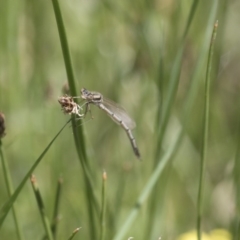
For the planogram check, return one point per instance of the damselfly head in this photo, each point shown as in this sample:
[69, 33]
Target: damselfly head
[84, 93]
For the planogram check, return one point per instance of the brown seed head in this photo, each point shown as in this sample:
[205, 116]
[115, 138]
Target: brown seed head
[69, 106]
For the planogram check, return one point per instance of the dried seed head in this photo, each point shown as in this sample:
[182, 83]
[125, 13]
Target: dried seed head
[104, 175]
[69, 106]
[2, 125]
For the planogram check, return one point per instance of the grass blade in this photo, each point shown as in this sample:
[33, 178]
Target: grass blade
[148, 187]
[41, 208]
[77, 131]
[205, 131]
[167, 107]
[74, 233]
[236, 176]
[174, 80]
[10, 190]
[78, 135]
[56, 208]
[8, 205]
[103, 213]
[190, 18]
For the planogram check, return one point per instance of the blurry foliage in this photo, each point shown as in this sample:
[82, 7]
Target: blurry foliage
[125, 50]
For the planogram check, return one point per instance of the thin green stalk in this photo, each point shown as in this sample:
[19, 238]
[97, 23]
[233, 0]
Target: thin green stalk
[41, 208]
[117, 204]
[237, 230]
[74, 233]
[164, 108]
[78, 136]
[165, 114]
[56, 208]
[205, 131]
[159, 81]
[8, 205]
[77, 131]
[10, 190]
[149, 187]
[236, 175]
[167, 107]
[174, 80]
[103, 213]
[190, 18]
[192, 92]
[236, 168]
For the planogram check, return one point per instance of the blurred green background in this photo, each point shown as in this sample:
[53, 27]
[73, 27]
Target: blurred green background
[126, 50]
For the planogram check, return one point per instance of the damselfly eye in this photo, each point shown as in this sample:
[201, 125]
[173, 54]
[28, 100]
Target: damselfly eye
[83, 91]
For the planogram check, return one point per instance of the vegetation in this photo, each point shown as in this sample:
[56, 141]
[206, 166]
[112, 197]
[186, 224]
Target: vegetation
[176, 73]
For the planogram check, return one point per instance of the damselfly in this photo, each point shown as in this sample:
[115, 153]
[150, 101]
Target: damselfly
[116, 112]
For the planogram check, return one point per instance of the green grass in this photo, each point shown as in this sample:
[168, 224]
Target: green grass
[152, 58]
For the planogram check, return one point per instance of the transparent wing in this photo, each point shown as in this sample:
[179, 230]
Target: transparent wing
[119, 112]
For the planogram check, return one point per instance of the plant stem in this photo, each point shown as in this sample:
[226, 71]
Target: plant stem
[41, 208]
[103, 213]
[205, 131]
[10, 190]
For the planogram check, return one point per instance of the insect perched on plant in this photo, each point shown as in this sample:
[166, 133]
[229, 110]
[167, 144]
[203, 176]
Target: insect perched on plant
[116, 112]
